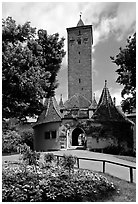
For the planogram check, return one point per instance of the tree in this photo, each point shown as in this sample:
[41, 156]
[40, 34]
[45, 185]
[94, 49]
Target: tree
[30, 62]
[126, 60]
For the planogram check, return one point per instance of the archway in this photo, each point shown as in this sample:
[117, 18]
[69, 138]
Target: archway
[75, 134]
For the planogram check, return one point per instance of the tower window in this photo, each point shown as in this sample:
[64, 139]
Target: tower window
[79, 53]
[79, 32]
[79, 81]
[79, 61]
[79, 41]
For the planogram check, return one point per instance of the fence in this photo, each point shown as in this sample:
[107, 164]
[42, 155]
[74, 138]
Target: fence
[104, 162]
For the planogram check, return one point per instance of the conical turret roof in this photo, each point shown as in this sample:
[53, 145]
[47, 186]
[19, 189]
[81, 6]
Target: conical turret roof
[106, 110]
[93, 105]
[51, 112]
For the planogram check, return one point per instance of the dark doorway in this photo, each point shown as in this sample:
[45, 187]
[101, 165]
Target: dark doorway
[75, 134]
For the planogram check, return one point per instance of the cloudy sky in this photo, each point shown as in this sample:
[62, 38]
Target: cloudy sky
[112, 23]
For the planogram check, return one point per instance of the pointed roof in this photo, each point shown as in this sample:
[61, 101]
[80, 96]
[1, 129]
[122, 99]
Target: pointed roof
[51, 112]
[77, 101]
[80, 22]
[106, 110]
[93, 105]
[61, 105]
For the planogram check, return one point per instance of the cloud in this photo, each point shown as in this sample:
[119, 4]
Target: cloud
[106, 17]
[121, 21]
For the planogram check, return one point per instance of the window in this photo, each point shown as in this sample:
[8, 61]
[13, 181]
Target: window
[79, 61]
[47, 135]
[79, 41]
[53, 133]
[79, 53]
[79, 81]
[50, 134]
[79, 32]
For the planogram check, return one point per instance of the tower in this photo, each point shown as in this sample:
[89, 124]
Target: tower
[80, 40]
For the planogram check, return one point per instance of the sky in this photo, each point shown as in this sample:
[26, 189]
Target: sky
[112, 23]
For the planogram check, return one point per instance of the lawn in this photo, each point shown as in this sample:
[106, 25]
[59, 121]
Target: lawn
[126, 193]
[127, 158]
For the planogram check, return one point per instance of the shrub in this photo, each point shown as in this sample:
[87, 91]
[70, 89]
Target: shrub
[68, 161]
[49, 157]
[27, 136]
[10, 141]
[112, 150]
[116, 150]
[27, 155]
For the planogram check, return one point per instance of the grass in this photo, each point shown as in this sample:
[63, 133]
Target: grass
[127, 158]
[126, 193]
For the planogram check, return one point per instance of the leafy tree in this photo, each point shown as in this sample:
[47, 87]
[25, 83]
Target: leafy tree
[30, 61]
[126, 60]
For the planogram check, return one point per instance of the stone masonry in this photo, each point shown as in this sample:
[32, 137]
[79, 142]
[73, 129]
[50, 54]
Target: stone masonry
[80, 41]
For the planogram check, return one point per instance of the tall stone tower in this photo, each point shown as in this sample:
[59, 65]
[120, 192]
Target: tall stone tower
[80, 40]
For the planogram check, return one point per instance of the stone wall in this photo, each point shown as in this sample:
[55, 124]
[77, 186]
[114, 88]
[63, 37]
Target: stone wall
[80, 61]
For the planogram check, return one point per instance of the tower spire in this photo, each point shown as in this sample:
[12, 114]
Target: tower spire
[61, 102]
[80, 23]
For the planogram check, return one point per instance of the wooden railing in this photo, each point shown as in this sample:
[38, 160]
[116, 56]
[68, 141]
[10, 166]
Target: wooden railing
[104, 162]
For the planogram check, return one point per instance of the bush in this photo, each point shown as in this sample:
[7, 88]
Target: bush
[10, 141]
[27, 155]
[68, 161]
[116, 150]
[27, 136]
[49, 157]
[112, 150]
[53, 184]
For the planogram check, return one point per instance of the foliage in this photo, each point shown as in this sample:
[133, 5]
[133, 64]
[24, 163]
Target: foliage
[53, 184]
[68, 162]
[30, 63]
[126, 60]
[49, 157]
[119, 150]
[14, 134]
[10, 124]
[27, 137]
[10, 141]
[27, 155]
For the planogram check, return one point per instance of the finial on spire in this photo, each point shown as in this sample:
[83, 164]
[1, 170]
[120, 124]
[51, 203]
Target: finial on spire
[80, 14]
[105, 83]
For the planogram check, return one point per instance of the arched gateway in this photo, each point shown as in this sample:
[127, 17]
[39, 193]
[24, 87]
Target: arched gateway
[75, 136]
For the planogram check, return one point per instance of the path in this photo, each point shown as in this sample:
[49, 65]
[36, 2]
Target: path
[112, 169]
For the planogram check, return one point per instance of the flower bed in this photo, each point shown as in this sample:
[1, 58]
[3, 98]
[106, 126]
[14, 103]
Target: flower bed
[49, 182]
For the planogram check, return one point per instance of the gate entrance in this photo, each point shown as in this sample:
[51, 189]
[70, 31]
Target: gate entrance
[76, 136]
